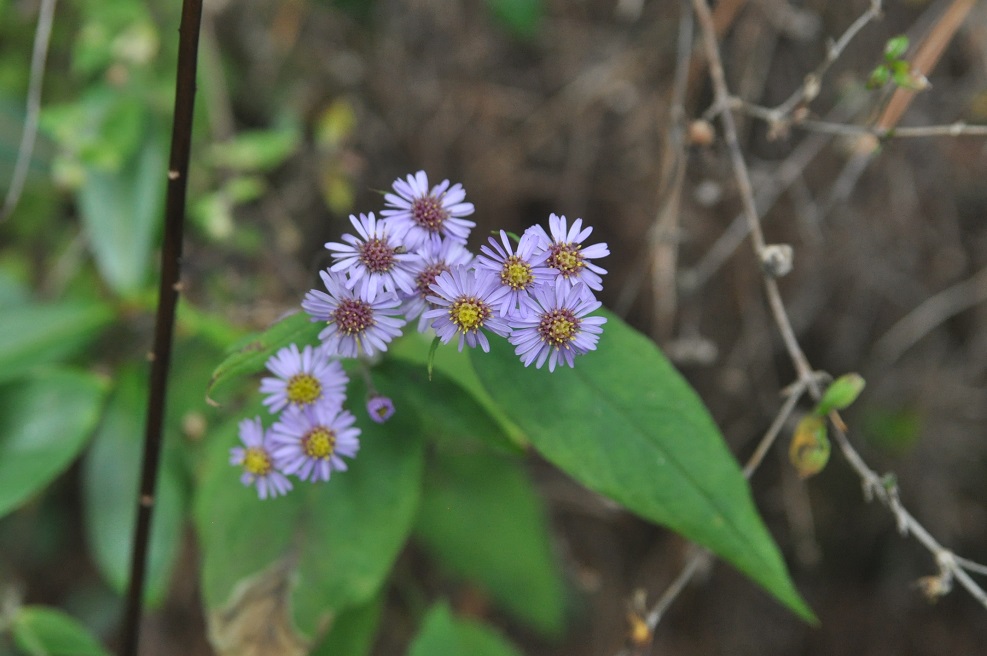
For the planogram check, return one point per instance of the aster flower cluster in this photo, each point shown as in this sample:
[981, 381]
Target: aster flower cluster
[312, 432]
[412, 264]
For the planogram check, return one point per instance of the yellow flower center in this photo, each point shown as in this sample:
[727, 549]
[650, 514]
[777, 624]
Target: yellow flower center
[303, 389]
[566, 258]
[516, 274]
[468, 314]
[319, 443]
[256, 461]
[559, 328]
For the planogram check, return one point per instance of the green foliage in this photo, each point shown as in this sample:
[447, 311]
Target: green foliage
[110, 486]
[521, 17]
[121, 211]
[34, 335]
[352, 631]
[809, 448]
[840, 394]
[458, 367]
[441, 633]
[455, 419]
[45, 421]
[339, 539]
[42, 631]
[482, 518]
[895, 48]
[895, 431]
[248, 356]
[256, 150]
[896, 69]
[625, 423]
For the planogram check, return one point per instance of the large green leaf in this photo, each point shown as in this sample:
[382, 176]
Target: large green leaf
[441, 633]
[352, 632]
[321, 548]
[43, 631]
[110, 485]
[45, 421]
[414, 347]
[13, 291]
[248, 357]
[31, 335]
[624, 423]
[482, 518]
[455, 418]
[121, 210]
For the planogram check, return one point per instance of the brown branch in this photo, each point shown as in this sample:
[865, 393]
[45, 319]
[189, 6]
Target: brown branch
[168, 290]
[950, 567]
[945, 559]
[926, 57]
[813, 81]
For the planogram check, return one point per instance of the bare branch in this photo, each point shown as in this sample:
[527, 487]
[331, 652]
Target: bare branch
[931, 313]
[884, 488]
[39, 56]
[810, 87]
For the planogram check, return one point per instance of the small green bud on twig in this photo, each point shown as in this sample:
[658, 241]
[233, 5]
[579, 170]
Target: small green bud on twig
[841, 393]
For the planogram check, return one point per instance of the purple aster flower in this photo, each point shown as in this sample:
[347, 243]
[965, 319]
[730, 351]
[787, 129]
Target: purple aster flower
[519, 271]
[566, 253]
[309, 442]
[258, 461]
[303, 378]
[556, 327]
[380, 408]
[353, 325]
[437, 256]
[374, 260]
[465, 301]
[417, 213]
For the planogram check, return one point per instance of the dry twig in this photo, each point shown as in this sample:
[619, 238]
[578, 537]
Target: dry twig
[39, 56]
[884, 488]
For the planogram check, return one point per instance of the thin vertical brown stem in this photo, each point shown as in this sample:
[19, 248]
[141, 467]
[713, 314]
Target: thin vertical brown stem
[169, 288]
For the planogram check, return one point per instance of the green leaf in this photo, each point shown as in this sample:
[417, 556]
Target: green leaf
[441, 633]
[249, 356]
[42, 631]
[483, 519]
[521, 17]
[809, 449]
[895, 48]
[625, 423]
[456, 365]
[879, 77]
[338, 539]
[121, 210]
[12, 292]
[841, 393]
[906, 78]
[110, 485]
[256, 150]
[32, 335]
[455, 418]
[352, 632]
[45, 421]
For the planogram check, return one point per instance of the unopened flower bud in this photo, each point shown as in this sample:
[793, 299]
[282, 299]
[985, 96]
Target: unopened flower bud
[701, 133]
[776, 260]
[380, 408]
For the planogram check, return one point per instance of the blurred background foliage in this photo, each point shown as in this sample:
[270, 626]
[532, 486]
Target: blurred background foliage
[306, 108]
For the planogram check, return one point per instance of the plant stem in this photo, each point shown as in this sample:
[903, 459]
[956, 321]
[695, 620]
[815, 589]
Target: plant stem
[168, 290]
